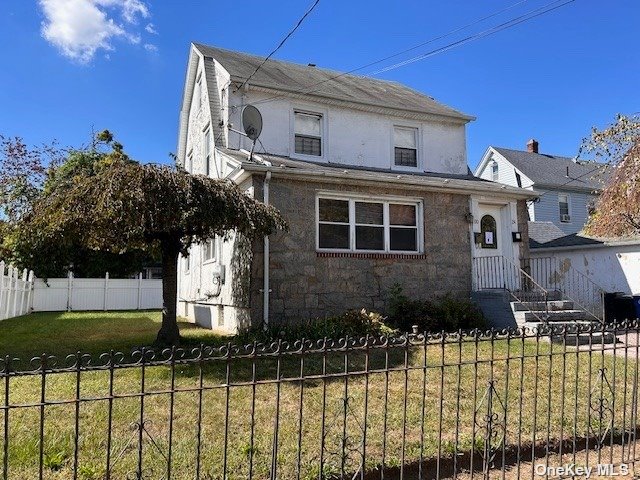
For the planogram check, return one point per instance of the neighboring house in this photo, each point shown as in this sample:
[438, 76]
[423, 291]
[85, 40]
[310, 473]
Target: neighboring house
[568, 188]
[371, 175]
[611, 264]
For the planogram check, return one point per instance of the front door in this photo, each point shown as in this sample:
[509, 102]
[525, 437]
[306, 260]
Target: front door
[488, 248]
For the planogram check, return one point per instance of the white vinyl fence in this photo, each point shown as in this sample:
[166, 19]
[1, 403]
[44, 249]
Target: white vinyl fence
[15, 291]
[78, 294]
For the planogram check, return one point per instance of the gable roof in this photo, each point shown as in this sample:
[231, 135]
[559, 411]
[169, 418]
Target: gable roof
[319, 82]
[551, 171]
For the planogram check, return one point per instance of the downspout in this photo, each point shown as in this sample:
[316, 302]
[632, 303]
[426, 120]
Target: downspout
[266, 291]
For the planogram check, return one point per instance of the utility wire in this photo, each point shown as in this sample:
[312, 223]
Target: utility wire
[306, 14]
[515, 21]
[503, 26]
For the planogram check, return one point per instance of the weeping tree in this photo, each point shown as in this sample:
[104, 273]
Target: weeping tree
[617, 211]
[124, 206]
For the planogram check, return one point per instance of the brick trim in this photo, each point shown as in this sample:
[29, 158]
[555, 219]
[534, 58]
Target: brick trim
[400, 256]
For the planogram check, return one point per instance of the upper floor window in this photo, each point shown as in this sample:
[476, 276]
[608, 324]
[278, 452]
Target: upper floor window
[198, 92]
[495, 171]
[189, 165]
[308, 133]
[405, 142]
[368, 225]
[209, 250]
[186, 263]
[207, 150]
[563, 206]
[518, 179]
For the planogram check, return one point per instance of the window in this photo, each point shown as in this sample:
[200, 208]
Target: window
[186, 263]
[198, 92]
[489, 232]
[563, 205]
[209, 250]
[207, 151]
[189, 165]
[405, 142]
[518, 179]
[308, 133]
[366, 225]
[494, 171]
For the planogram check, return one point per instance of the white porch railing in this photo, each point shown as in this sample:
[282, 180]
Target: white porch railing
[15, 291]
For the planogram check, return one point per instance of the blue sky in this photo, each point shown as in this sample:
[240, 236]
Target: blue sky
[74, 65]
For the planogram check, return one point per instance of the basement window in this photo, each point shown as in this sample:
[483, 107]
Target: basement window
[366, 225]
[308, 133]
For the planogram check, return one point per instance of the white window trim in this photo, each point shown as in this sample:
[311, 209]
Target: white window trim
[214, 258]
[495, 171]
[385, 200]
[186, 264]
[323, 132]
[206, 133]
[568, 208]
[419, 159]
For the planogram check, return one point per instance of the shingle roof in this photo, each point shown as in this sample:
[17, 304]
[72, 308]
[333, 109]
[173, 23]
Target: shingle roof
[546, 234]
[551, 171]
[296, 78]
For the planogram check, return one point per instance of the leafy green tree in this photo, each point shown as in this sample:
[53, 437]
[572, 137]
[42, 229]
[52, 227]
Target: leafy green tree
[617, 211]
[124, 206]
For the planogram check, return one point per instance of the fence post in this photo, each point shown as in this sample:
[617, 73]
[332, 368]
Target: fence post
[69, 290]
[16, 279]
[139, 290]
[30, 292]
[7, 305]
[23, 292]
[2, 290]
[106, 289]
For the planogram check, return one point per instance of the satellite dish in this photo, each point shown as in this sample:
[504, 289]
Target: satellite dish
[252, 122]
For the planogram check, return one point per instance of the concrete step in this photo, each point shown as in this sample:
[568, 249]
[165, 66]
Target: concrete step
[553, 316]
[576, 334]
[536, 296]
[537, 306]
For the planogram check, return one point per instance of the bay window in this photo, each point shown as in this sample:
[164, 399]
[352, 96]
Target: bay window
[368, 225]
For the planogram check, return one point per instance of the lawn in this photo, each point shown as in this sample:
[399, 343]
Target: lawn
[546, 397]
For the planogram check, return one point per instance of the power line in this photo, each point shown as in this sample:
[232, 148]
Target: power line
[503, 26]
[306, 14]
[515, 21]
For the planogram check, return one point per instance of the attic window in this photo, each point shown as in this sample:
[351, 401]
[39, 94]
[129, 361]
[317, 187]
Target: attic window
[405, 143]
[494, 171]
[308, 133]
[518, 179]
[198, 92]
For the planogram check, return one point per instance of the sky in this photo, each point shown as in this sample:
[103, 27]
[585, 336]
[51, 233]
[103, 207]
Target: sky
[73, 66]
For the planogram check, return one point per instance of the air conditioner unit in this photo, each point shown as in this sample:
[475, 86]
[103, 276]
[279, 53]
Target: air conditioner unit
[565, 217]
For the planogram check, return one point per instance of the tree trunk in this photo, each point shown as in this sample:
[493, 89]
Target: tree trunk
[169, 333]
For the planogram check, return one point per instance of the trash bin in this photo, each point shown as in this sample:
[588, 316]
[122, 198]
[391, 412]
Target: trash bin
[619, 306]
[636, 304]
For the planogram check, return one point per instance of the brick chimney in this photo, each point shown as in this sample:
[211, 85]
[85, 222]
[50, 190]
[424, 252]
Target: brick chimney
[532, 146]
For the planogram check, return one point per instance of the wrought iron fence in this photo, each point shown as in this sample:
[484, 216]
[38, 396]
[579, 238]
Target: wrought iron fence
[496, 404]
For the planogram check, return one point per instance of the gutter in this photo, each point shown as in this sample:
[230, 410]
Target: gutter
[402, 181]
[588, 246]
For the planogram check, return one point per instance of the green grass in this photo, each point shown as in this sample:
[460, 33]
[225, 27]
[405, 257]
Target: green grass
[546, 404]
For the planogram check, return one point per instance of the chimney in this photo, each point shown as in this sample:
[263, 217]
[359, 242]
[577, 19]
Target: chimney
[532, 146]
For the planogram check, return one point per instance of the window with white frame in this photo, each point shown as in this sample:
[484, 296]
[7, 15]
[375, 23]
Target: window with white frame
[207, 150]
[209, 250]
[357, 225]
[405, 143]
[186, 263]
[198, 92]
[308, 133]
[495, 171]
[189, 165]
[563, 206]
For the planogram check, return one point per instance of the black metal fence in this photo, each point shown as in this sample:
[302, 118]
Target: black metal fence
[497, 404]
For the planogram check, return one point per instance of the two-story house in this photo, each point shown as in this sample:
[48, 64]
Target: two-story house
[568, 187]
[371, 175]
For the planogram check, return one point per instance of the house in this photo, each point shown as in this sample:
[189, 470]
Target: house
[371, 175]
[568, 188]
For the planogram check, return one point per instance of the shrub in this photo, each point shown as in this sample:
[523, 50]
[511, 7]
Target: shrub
[443, 313]
[353, 323]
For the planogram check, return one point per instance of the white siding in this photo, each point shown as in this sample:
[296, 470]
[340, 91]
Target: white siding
[547, 209]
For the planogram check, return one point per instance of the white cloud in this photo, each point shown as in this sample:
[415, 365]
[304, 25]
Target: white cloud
[151, 28]
[150, 47]
[79, 28]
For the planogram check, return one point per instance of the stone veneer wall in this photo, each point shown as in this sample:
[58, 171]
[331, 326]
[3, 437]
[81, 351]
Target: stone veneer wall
[307, 284]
